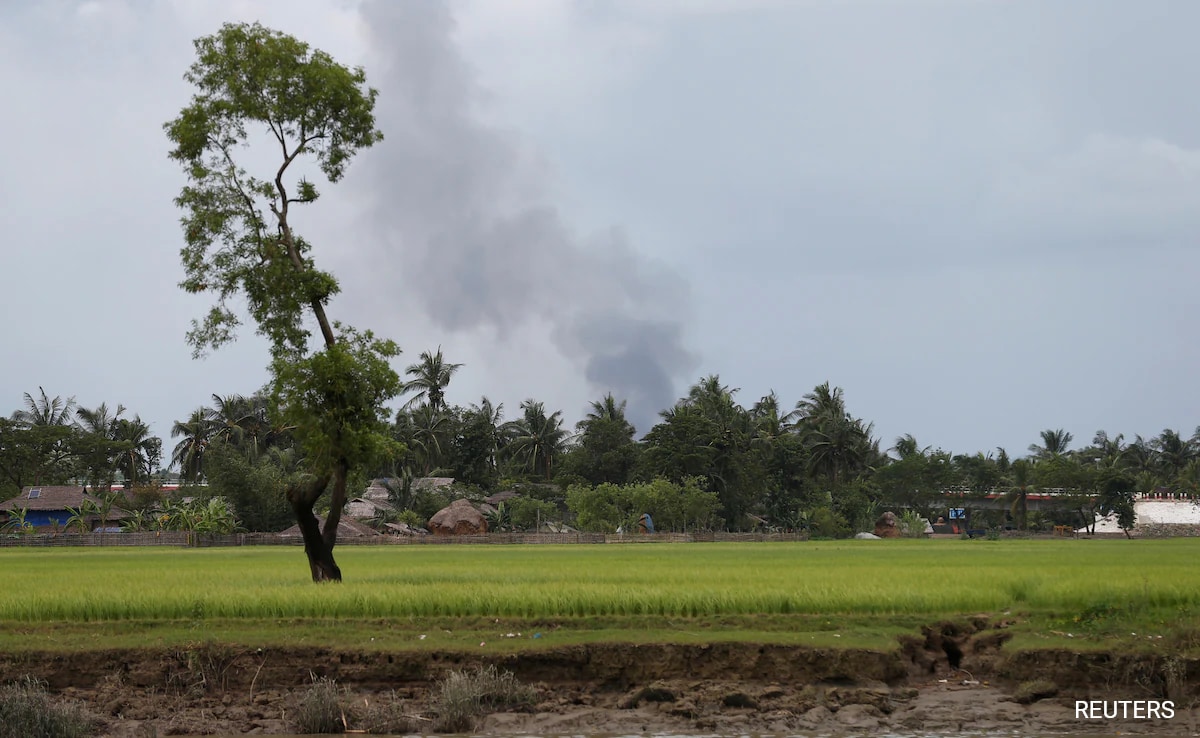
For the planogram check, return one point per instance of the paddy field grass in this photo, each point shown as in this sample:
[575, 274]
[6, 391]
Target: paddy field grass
[527, 596]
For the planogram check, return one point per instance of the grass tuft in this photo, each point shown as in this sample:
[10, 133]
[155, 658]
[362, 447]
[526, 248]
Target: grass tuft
[464, 696]
[27, 710]
[322, 708]
[385, 718]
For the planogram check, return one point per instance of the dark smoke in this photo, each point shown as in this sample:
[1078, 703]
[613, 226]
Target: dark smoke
[459, 211]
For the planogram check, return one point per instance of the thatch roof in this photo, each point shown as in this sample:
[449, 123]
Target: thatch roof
[51, 498]
[347, 528]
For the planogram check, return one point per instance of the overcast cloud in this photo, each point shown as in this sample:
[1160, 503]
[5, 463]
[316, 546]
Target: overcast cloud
[979, 218]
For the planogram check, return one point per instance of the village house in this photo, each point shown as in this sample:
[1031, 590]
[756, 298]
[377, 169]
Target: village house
[48, 507]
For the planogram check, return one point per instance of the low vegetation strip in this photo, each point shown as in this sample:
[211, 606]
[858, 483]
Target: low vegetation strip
[1070, 580]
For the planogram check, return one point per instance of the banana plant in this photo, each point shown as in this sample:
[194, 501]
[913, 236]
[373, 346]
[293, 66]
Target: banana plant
[17, 522]
[80, 517]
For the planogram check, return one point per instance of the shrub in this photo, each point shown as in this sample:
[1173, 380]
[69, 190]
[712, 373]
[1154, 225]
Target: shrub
[912, 525]
[526, 513]
[464, 696]
[26, 710]
[412, 517]
[322, 708]
[825, 523]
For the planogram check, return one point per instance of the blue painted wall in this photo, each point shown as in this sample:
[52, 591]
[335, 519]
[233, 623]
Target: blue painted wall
[46, 518]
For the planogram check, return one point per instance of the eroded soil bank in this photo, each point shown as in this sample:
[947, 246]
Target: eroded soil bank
[954, 677]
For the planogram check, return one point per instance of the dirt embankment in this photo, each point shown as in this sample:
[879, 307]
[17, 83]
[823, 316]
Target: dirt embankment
[953, 677]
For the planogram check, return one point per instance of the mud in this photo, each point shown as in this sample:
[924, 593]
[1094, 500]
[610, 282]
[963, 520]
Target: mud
[954, 677]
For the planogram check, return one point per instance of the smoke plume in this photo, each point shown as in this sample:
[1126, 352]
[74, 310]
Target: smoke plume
[461, 213]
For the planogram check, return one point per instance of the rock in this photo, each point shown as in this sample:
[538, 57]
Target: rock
[859, 717]
[877, 697]
[1038, 689]
[866, 536]
[646, 694]
[739, 699]
[817, 716]
[888, 526]
[459, 519]
[686, 709]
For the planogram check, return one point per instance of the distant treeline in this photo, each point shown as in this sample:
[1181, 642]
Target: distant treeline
[709, 463]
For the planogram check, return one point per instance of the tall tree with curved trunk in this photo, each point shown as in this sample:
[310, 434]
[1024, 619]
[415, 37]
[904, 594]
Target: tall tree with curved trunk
[254, 84]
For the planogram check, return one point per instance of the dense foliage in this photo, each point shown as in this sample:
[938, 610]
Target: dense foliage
[52, 441]
[710, 463]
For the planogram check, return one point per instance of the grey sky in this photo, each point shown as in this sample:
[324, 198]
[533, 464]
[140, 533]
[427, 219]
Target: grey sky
[978, 217]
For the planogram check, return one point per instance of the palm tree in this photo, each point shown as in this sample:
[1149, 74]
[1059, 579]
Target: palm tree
[1054, 443]
[48, 430]
[100, 427]
[257, 431]
[189, 452]
[839, 447]
[1139, 456]
[537, 438]
[493, 416]
[1019, 492]
[607, 408]
[766, 420]
[227, 416]
[431, 436]
[100, 421]
[907, 447]
[1173, 452]
[1003, 463]
[429, 379]
[139, 449]
[44, 411]
[1109, 449]
[712, 397]
[838, 443]
[824, 402]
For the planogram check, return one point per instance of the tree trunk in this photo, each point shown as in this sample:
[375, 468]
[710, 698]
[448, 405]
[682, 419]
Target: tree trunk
[337, 500]
[319, 550]
[320, 554]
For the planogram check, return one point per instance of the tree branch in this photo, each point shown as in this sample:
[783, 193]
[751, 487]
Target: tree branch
[290, 243]
[237, 185]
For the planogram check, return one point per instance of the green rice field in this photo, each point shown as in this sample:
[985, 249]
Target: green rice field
[1086, 582]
